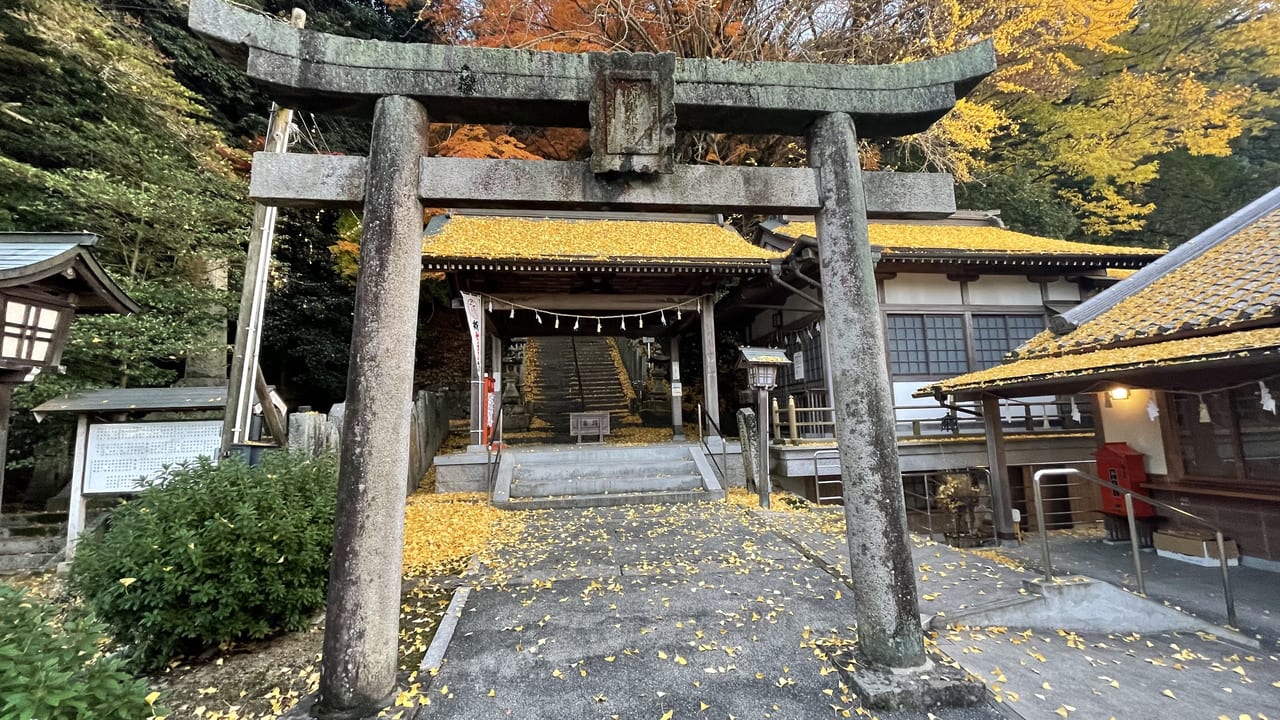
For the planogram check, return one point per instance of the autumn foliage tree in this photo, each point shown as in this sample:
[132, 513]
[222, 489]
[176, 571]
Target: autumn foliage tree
[1088, 94]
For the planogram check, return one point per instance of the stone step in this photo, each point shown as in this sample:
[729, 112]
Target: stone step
[25, 519]
[25, 545]
[604, 485]
[545, 471]
[620, 456]
[612, 499]
[10, 564]
[32, 530]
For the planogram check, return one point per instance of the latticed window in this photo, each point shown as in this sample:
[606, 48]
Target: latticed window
[29, 331]
[926, 344]
[995, 335]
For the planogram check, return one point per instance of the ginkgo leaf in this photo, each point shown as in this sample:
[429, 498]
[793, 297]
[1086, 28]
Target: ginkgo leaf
[667, 715]
[1168, 693]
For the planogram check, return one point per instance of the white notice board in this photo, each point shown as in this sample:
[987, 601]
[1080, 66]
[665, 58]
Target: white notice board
[118, 454]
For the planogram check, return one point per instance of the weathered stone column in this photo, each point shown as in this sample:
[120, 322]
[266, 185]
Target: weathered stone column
[362, 619]
[880, 551]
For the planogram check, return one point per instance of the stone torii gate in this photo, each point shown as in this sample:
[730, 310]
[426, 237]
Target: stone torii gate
[633, 104]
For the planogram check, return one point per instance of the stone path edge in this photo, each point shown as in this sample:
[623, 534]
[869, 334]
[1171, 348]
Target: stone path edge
[434, 657]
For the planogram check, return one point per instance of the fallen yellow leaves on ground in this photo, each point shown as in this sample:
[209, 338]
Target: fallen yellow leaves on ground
[778, 501]
[442, 531]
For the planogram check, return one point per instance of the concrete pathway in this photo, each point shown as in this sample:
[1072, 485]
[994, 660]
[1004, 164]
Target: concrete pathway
[710, 611]
[688, 611]
[1188, 587]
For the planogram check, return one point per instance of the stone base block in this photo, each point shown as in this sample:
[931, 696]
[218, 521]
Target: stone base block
[927, 687]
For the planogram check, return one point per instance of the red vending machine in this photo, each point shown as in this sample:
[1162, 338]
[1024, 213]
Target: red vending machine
[1123, 467]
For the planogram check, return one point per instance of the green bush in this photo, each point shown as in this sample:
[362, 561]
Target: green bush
[217, 553]
[56, 672]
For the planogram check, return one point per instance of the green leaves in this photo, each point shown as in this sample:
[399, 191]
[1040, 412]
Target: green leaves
[56, 671]
[219, 553]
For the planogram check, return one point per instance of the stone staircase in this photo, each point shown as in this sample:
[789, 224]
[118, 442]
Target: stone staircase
[593, 476]
[561, 386]
[29, 540]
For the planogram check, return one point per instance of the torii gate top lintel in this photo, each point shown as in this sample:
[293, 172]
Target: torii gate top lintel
[304, 69]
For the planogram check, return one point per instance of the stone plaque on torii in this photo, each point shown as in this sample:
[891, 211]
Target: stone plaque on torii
[633, 105]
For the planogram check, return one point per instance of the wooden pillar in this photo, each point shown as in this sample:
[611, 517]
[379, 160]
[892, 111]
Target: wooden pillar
[710, 373]
[77, 507]
[886, 606]
[241, 382]
[1001, 496]
[362, 619]
[677, 393]
[6, 394]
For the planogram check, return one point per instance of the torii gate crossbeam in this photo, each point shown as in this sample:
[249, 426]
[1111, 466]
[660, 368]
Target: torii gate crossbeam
[633, 105]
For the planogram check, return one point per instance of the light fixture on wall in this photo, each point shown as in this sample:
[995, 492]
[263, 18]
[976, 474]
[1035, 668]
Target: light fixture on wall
[1119, 392]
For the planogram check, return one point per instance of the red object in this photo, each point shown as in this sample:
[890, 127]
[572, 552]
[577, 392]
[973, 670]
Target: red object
[486, 409]
[1122, 465]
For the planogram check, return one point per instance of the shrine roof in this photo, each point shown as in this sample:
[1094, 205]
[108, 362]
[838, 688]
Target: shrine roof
[464, 240]
[62, 263]
[1212, 299]
[959, 241]
[1230, 283]
[1258, 344]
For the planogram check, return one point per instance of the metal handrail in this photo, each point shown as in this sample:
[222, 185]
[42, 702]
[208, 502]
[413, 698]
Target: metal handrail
[1129, 495]
[928, 505]
[494, 455]
[724, 450]
[817, 481]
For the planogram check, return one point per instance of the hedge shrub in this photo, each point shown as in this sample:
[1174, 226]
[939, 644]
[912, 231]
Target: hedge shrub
[217, 553]
[55, 671]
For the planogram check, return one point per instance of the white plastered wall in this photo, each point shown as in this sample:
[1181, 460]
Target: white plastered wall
[1004, 290]
[1129, 421]
[921, 289]
[1062, 291]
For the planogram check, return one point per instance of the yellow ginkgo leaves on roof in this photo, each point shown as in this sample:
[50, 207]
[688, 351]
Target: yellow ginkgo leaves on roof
[1231, 283]
[969, 238]
[1171, 352]
[507, 238]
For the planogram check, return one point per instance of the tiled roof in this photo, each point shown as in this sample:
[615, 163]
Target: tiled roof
[562, 240]
[895, 238]
[1214, 297]
[1156, 354]
[1233, 282]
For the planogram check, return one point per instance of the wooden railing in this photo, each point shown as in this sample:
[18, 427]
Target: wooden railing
[795, 423]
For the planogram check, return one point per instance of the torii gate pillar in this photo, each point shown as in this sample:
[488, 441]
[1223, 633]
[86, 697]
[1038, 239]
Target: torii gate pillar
[884, 590]
[362, 617]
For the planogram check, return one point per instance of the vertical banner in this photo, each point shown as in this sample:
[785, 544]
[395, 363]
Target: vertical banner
[471, 303]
